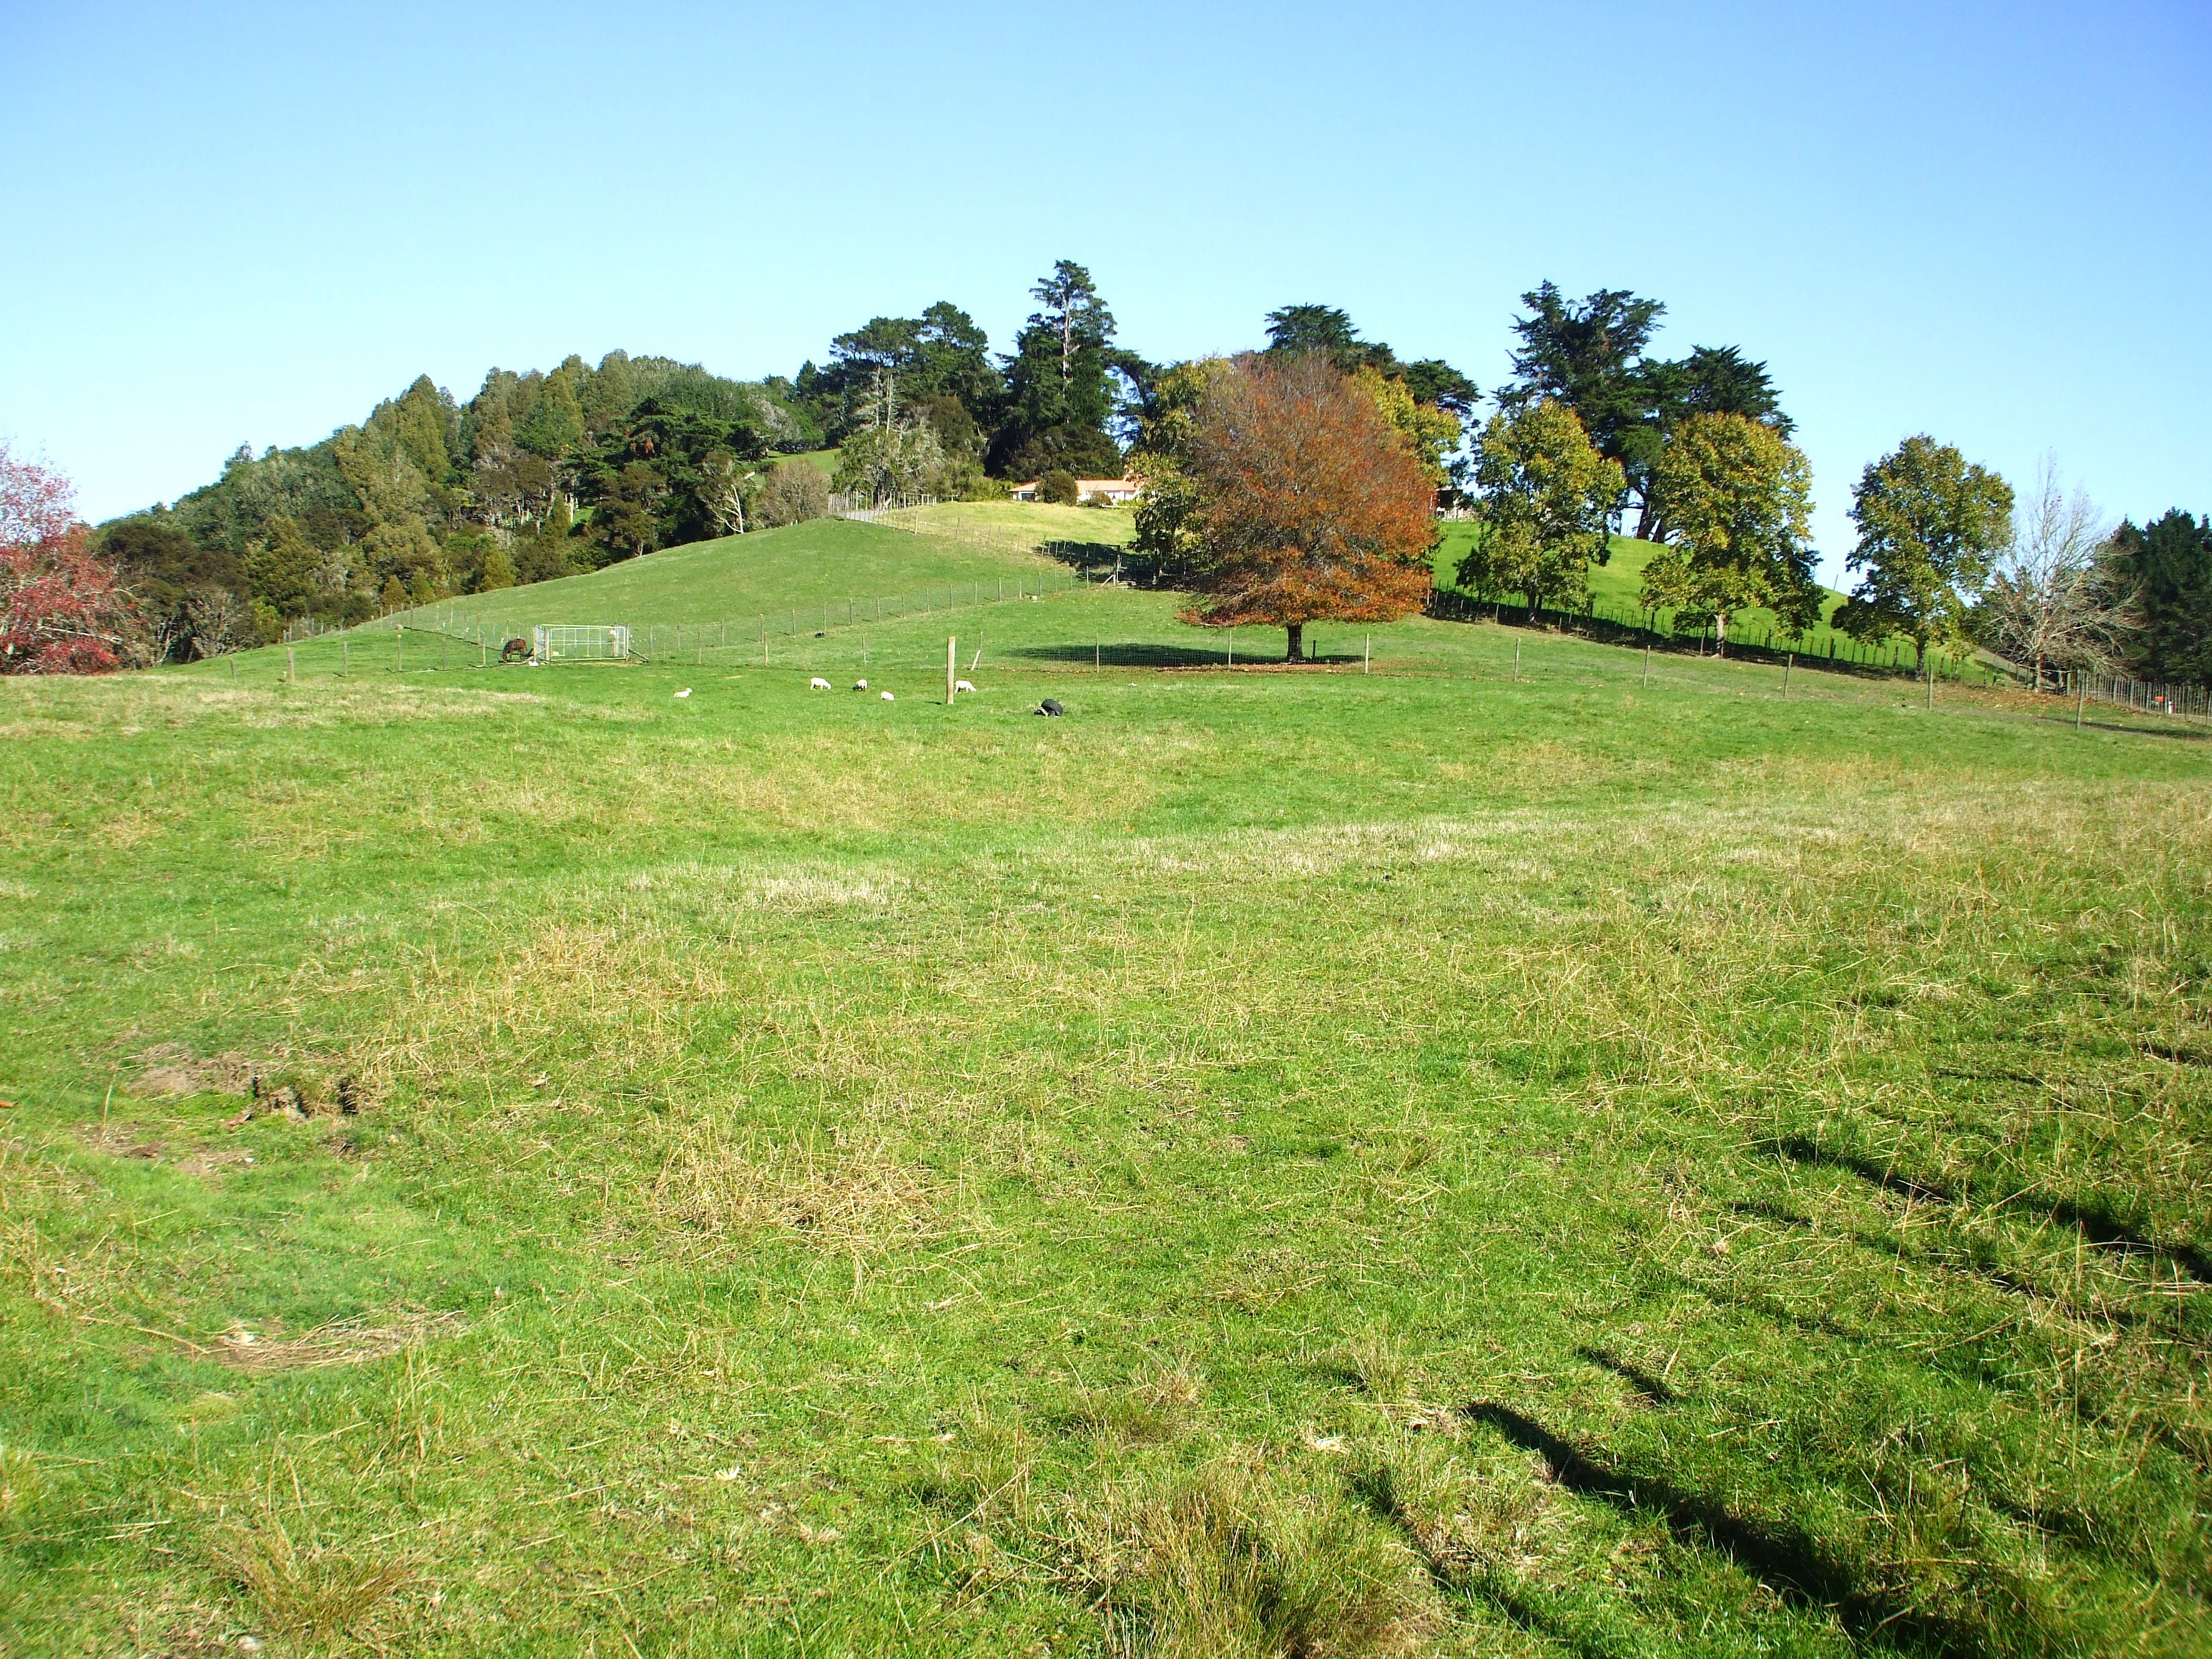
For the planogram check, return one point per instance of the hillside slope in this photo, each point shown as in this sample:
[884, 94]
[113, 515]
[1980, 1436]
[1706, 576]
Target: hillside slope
[826, 562]
[1616, 586]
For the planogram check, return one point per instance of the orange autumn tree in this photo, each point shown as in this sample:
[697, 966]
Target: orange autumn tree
[1305, 505]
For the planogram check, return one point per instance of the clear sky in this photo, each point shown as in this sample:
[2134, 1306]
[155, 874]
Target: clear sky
[238, 222]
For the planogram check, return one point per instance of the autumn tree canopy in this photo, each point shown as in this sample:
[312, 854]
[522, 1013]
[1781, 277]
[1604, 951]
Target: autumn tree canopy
[1304, 504]
[62, 610]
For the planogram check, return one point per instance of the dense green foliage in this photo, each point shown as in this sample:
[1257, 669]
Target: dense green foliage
[1546, 497]
[1929, 523]
[553, 471]
[1591, 356]
[542, 474]
[2164, 575]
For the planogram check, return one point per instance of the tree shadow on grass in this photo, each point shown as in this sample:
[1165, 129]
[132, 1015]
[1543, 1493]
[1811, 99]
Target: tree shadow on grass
[2095, 1221]
[1788, 1560]
[1092, 558]
[1147, 655]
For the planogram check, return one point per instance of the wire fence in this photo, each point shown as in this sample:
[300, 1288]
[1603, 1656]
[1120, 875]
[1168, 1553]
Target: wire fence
[1666, 628]
[2150, 697]
[855, 504]
[756, 638]
[753, 636]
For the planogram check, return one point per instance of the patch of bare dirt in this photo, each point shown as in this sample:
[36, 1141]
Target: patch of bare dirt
[173, 1069]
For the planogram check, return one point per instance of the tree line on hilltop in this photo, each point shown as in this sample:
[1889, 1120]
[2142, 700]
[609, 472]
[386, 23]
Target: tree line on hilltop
[543, 474]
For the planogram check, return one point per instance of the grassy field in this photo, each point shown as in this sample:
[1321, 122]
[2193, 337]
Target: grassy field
[818, 569]
[1275, 1163]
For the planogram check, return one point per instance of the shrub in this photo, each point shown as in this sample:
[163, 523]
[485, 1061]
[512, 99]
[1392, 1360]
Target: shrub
[1058, 487]
[794, 492]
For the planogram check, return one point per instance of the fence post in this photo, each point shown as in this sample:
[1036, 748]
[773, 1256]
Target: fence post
[1517, 662]
[1367, 655]
[951, 667]
[291, 668]
[1789, 662]
[345, 655]
[399, 648]
[1647, 668]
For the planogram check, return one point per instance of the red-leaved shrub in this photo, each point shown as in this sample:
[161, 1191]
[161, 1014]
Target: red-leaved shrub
[62, 610]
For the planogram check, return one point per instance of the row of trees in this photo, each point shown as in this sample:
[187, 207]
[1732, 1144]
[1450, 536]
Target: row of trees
[1699, 448]
[541, 474]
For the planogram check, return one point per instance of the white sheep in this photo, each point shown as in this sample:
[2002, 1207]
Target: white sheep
[859, 685]
[961, 686]
[817, 684]
[887, 696]
[685, 692]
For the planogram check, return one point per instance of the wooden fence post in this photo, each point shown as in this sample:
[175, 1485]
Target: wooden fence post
[951, 667]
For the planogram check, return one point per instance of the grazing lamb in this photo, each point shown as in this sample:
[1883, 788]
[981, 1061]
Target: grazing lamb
[961, 686]
[684, 693]
[817, 684]
[887, 696]
[859, 685]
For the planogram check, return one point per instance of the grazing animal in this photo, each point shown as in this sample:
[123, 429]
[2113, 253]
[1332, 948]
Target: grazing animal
[685, 692]
[514, 650]
[817, 684]
[1051, 706]
[961, 686]
[859, 685]
[887, 696]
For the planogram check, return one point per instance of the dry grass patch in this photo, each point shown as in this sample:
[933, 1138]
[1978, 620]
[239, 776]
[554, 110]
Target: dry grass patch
[342, 1342]
[311, 1595]
[849, 1200]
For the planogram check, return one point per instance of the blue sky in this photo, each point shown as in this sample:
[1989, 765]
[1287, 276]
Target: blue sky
[246, 223]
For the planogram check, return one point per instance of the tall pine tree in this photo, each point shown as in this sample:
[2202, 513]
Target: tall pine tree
[1060, 398]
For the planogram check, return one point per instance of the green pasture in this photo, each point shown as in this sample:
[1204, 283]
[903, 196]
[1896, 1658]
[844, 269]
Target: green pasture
[820, 567]
[1616, 586]
[1504, 1146]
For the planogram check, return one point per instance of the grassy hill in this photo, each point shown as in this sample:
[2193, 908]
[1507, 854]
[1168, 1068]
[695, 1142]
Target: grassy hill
[817, 569]
[1491, 1155]
[1616, 587]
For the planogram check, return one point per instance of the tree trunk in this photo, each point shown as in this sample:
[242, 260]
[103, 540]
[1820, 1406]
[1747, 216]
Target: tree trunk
[1720, 634]
[1298, 632]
